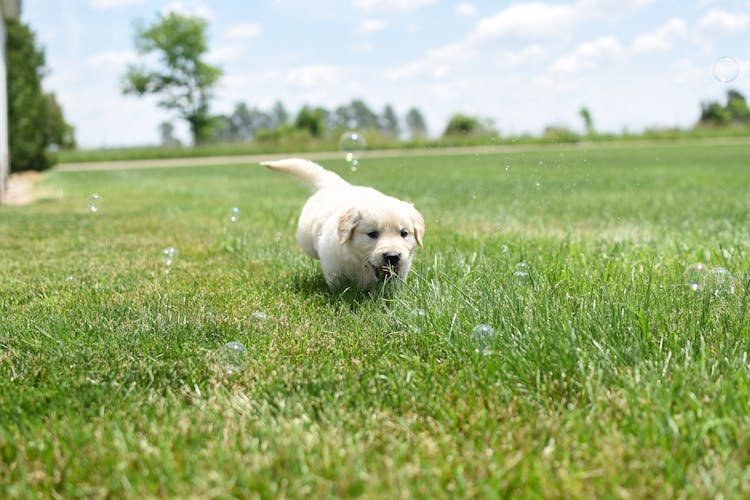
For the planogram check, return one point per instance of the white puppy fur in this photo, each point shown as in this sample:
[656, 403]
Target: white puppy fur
[360, 235]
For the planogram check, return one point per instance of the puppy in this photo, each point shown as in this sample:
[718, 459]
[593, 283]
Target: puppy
[360, 235]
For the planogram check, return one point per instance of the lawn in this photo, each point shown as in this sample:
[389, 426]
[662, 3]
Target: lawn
[611, 371]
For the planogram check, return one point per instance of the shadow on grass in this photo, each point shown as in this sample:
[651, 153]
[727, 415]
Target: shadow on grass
[314, 285]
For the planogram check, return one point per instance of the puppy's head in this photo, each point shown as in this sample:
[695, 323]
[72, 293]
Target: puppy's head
[382, 239]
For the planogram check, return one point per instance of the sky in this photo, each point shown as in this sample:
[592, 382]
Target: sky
[635, 64]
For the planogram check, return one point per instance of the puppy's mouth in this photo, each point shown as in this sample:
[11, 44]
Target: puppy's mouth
[384, 273]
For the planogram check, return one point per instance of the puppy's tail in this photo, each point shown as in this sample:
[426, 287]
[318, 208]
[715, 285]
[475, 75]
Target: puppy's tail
[310, 173]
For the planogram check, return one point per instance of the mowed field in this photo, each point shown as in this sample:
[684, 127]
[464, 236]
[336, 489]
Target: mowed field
[613, 371]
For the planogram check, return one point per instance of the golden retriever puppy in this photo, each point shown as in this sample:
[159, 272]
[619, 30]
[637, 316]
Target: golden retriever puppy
[360, 235]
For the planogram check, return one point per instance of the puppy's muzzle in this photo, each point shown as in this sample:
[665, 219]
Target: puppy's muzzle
[390, 265]
[391, 258]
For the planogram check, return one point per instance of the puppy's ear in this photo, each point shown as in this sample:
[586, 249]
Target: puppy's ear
[418, 223]
[348, 221]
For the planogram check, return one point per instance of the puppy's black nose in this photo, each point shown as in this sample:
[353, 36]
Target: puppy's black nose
[391, 258]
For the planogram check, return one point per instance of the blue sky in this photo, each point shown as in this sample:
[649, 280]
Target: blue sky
[633, 63]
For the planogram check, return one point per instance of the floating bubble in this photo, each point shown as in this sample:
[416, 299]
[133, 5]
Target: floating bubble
[416, 318]
[168, 257]
[259, 316]
[696, 276]
[726, 69]
[483, 336]
[353, 145]
[234, 214]
[720, 282]
[231, 358]
[521, 274]
[94, 202]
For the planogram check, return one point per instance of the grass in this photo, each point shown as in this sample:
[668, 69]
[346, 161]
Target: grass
[607, 376]
[377, 141]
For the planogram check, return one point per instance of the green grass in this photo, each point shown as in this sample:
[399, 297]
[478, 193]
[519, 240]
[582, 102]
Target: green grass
[377, 141]
[608, 375]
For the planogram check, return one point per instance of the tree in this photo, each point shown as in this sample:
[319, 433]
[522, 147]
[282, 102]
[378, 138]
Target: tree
[35, 119]
[181, 77]
[279, 115]
[713, 113]
[460, 124]
[415, 123]
[355, 115]
[737, 107]
[312, 120]
[166, 131]
[389, 122]
[59, 132]
[588, 121]
[736, 111]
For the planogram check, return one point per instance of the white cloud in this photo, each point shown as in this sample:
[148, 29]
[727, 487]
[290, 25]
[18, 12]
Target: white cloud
[114, 4]
[193, 8]
[527, 21]
[610, 8]
[662, 38]
[224, 53]
[466, 9]
[243, 31]
[117, 58]
[363, 47]
[539, 21]
[371, 26]
[315, 75]
[392, 5]
[720, 22]
[437, 64]
[590, 55]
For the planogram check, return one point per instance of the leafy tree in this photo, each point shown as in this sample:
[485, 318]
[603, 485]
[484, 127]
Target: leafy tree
[415, 123]
[460, 124]
[182, 79]
[312, 120]
[713, 113]
[588, 121]
[737, 107]
[389, 122]
[355, 115]
[735, 111]
[35, 119]
[166, 131]
[59, 132]
[279, 115]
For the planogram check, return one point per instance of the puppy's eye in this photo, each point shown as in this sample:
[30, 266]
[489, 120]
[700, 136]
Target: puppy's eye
[373, 234]
[404, 233]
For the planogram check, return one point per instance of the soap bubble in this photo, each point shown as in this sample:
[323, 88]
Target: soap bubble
[352, 144]
[483, 336]
[726, 69]
[417, 317]
[521, 274]
[168, 257]
[234, 214]
[720, 282]
[94, 202]
[696, 276]
[259, 316]
[231, 358]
